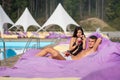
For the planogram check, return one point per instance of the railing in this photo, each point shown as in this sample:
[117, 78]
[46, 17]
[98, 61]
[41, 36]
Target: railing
[4, 51]
[29, 41]
[37, 45]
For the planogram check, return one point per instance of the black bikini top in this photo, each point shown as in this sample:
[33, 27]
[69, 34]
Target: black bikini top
[77, 49]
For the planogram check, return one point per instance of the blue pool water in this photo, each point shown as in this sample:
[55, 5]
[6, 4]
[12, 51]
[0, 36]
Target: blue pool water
[15, 48]
[22, 44]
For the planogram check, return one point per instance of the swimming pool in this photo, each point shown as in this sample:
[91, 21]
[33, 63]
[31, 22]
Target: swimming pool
[17, 47]
[22, 44]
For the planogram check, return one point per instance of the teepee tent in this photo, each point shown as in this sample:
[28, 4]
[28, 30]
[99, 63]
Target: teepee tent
[59, 17]
[26, 20]
[4, 19]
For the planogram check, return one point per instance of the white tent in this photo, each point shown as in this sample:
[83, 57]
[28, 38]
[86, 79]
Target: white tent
[4, 19]
[26, 20]
[59, 17]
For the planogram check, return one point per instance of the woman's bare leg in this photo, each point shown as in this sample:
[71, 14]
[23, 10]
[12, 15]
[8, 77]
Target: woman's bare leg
[43, 52]
[54, 53]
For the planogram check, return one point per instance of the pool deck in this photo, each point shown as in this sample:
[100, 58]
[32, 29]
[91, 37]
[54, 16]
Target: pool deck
[33, 39]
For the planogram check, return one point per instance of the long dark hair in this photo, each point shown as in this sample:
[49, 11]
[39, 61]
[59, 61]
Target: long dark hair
[76, 30]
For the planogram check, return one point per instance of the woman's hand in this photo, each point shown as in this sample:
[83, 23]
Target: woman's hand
[67, 53]
[83, 37]
[78, 42]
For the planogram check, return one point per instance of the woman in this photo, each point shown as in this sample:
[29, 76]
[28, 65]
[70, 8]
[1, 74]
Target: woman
[77, 44]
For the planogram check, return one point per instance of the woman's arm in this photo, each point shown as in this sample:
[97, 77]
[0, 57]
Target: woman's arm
[84, 42]
[72, 41]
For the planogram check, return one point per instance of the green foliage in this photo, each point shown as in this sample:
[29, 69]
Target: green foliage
[17, 8]
[113, 13]
[72, 7]
[113, 9]
[116, 23]
[0, 2]
[32, 28]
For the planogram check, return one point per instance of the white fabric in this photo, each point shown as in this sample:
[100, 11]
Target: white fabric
[26, 20]
[59, 17]
[4, 18]
[66, 57]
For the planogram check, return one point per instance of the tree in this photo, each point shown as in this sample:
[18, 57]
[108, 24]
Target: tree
[89, 8]
[72, 7]
[113, 13]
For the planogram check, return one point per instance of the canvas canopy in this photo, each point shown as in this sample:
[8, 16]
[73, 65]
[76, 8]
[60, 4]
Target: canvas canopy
[25, 20]
[4, 18]
[59, 17]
